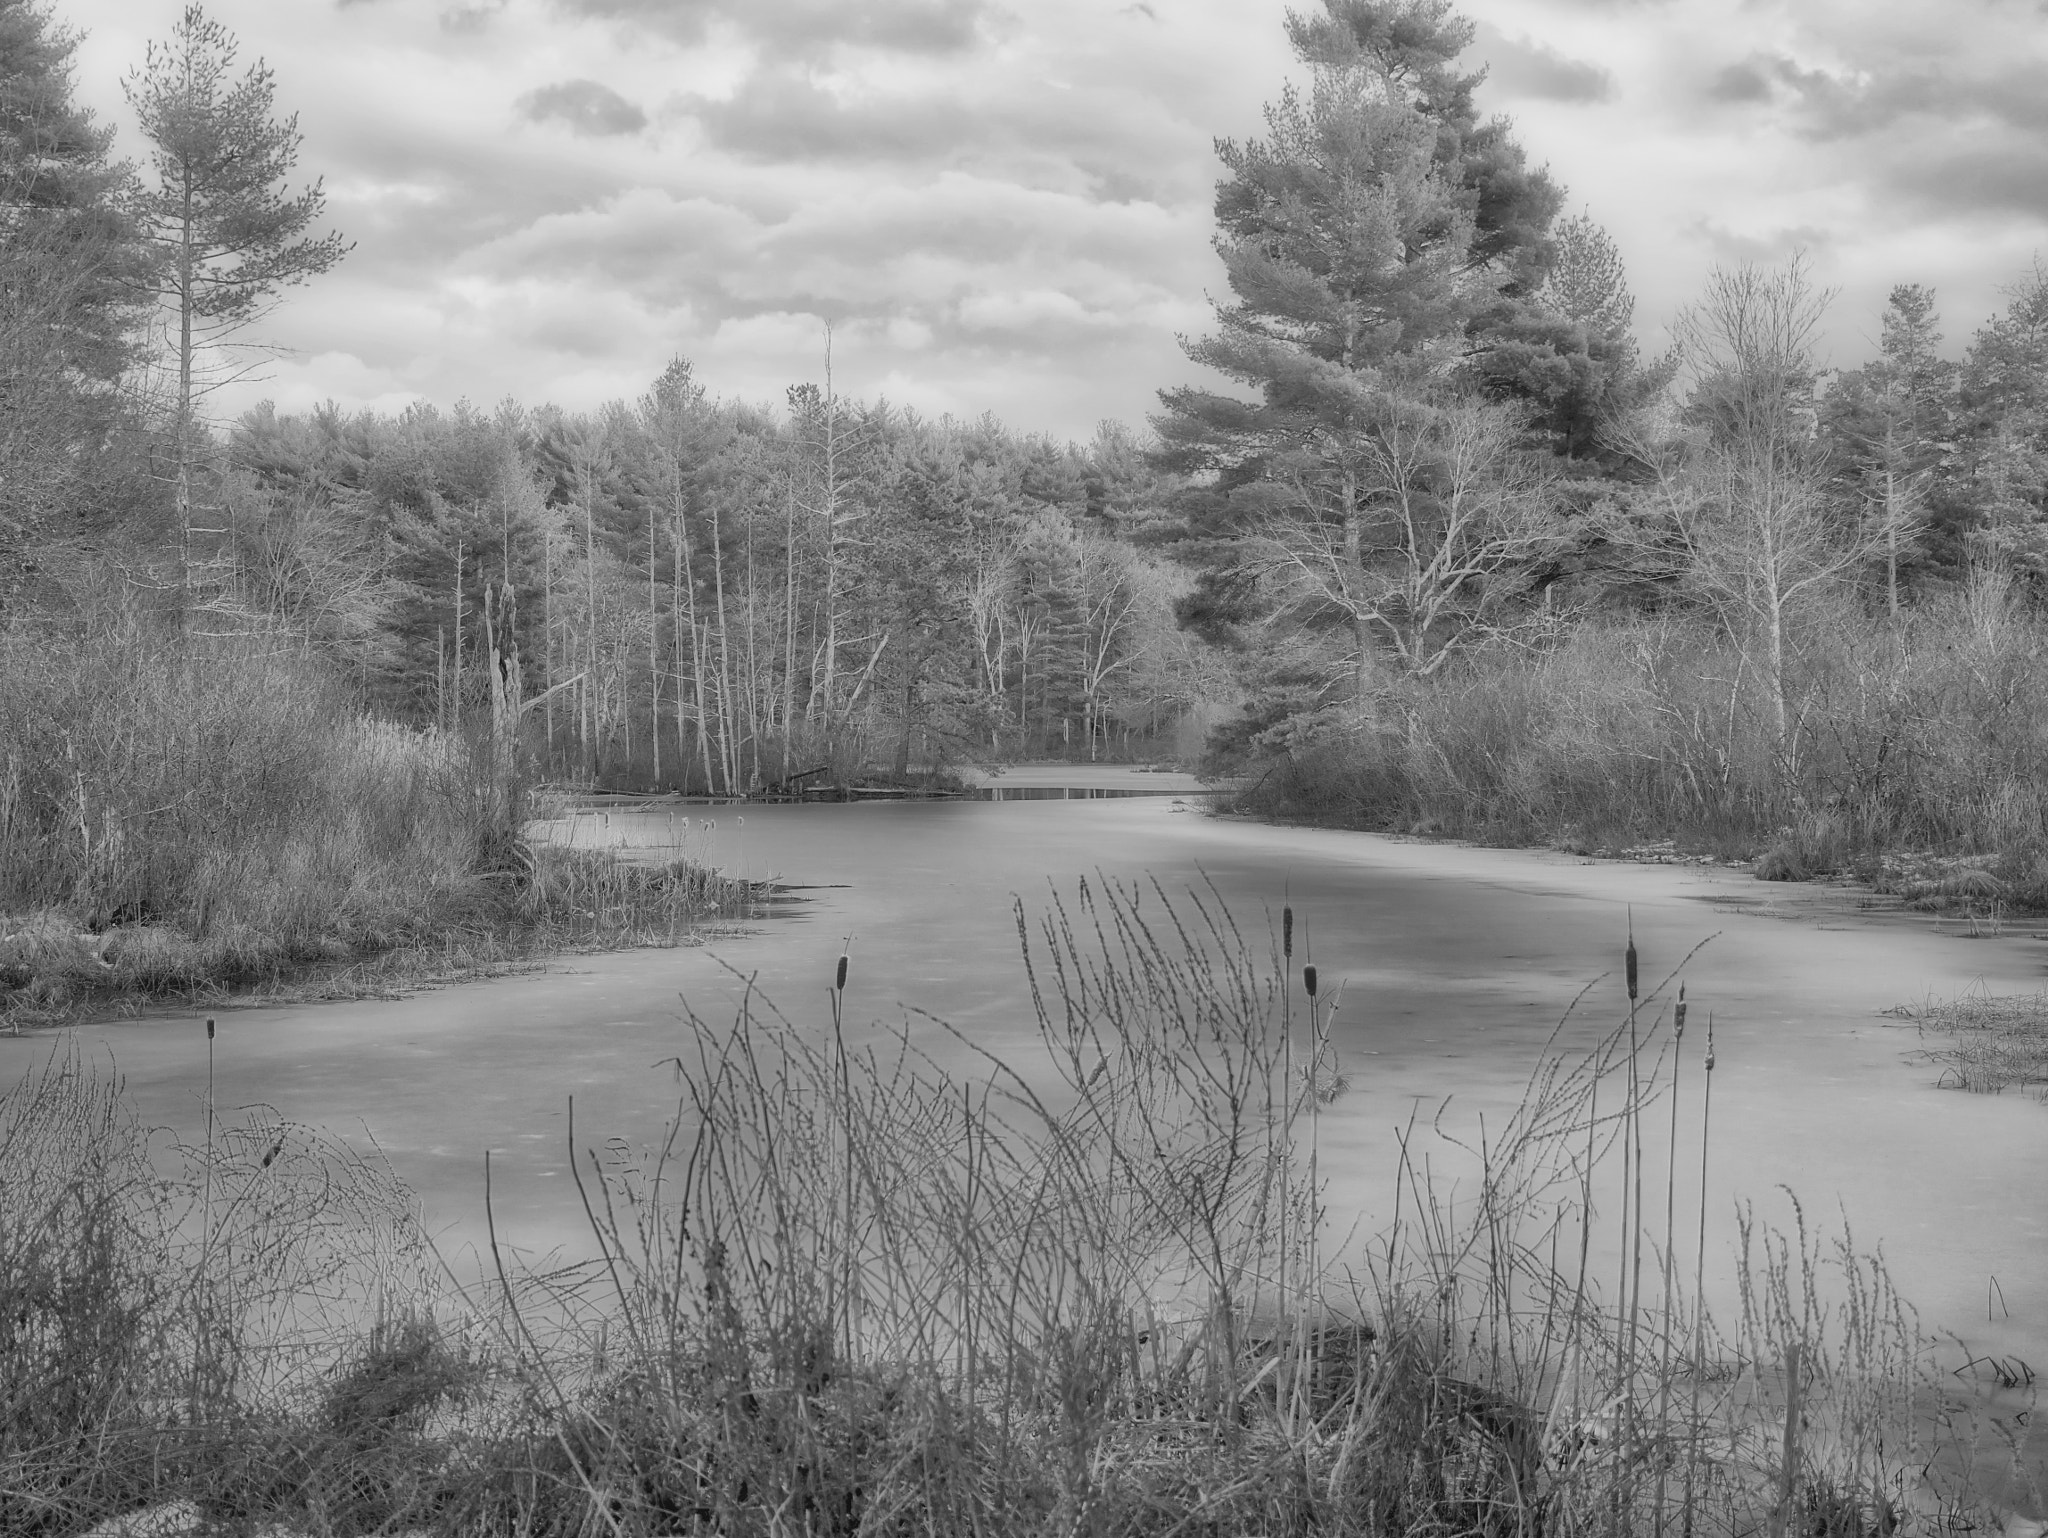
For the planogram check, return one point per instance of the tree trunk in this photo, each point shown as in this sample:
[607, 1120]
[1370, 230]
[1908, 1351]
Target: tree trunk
[728, 728]
[653, 652]
[753, 669]
[789, 632]
[592, 748]
[1892, 513]
[1774, 645]
[1354, 579]
[456, 716]
[185, 265]
[910, 667]
[547, 639]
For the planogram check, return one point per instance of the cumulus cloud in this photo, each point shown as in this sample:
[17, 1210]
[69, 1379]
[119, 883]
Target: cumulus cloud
[1746, 81]
[785, 114]
[1849, 102]
[468, 20]
[1770, 246]
[1975, 180]
[1526, 68]
[793, 27]
[587, 107]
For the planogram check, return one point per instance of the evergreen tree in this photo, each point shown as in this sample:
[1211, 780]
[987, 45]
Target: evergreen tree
[2003, 401]
[1566, 349]
[228, 235]
[1889, 424]
[1365, 237]
[69, 268]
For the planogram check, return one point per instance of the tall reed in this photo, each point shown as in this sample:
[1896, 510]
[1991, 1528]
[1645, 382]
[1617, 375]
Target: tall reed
[852, 1292]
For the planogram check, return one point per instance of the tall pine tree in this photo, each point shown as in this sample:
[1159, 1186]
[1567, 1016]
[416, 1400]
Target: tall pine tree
[228, 235]
[1888, 427]
[70, 266]
[1367, 238]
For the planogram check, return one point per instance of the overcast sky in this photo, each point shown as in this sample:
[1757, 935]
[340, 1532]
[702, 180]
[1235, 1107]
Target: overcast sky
[1003, 205]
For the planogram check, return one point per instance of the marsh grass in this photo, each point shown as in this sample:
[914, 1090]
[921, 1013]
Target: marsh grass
[207, 822]
[1091, 1289]
[175, 1317]
[1994, 1043]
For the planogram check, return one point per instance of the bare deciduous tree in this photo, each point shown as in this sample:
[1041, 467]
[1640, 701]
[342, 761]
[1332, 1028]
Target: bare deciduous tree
[1426, 538]
[1740, 501]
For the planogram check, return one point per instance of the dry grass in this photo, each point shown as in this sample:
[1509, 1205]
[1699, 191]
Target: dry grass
[208, 822]
[173, 1316]
[1994, 1044]
[1091, 1292]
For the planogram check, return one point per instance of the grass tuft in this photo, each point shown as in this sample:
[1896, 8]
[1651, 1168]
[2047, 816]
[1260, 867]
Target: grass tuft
[1994, 1043]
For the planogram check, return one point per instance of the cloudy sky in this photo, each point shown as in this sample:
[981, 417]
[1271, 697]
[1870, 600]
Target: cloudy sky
[1003, 205]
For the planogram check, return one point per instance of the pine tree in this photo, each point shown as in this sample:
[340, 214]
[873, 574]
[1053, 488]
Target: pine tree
[228, 235]
[1888, 424]
[2004, 409]
[69, 267]
[1565, 348]
[1365, 237]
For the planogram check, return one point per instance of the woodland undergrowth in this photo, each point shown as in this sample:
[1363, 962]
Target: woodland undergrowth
[1912, 761]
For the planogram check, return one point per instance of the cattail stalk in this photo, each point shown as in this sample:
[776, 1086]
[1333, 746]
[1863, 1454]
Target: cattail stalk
[1286, 1129]
[209, 1118]
[1312, 1259]
[1699, 1301]
[1585, 1233]
[1631, 1231]
[846, 1115]
[1670, 1254]
[206, 1235]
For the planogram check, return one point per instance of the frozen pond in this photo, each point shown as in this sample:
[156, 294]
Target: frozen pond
[1457, 964]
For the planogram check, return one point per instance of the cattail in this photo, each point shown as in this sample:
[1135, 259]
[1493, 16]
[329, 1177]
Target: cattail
[209, 1028]
[1287, 932]
[1670, 1250]
[1629, 1286]
[1308, 979]
[839, 981]
[1699, 1279]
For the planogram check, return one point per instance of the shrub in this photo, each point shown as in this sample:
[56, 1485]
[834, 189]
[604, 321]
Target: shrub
[1926, 736]
[213, 815]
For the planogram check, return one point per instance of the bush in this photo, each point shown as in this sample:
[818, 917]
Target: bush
[191, 818]
[1925, 737]
[170, 1315]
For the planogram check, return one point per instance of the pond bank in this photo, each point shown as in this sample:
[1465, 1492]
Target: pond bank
[1457, 964]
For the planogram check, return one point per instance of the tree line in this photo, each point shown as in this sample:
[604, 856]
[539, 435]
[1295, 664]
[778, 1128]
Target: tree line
[706, 592]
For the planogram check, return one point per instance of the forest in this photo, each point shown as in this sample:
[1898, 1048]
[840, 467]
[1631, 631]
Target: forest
[1442, 550]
